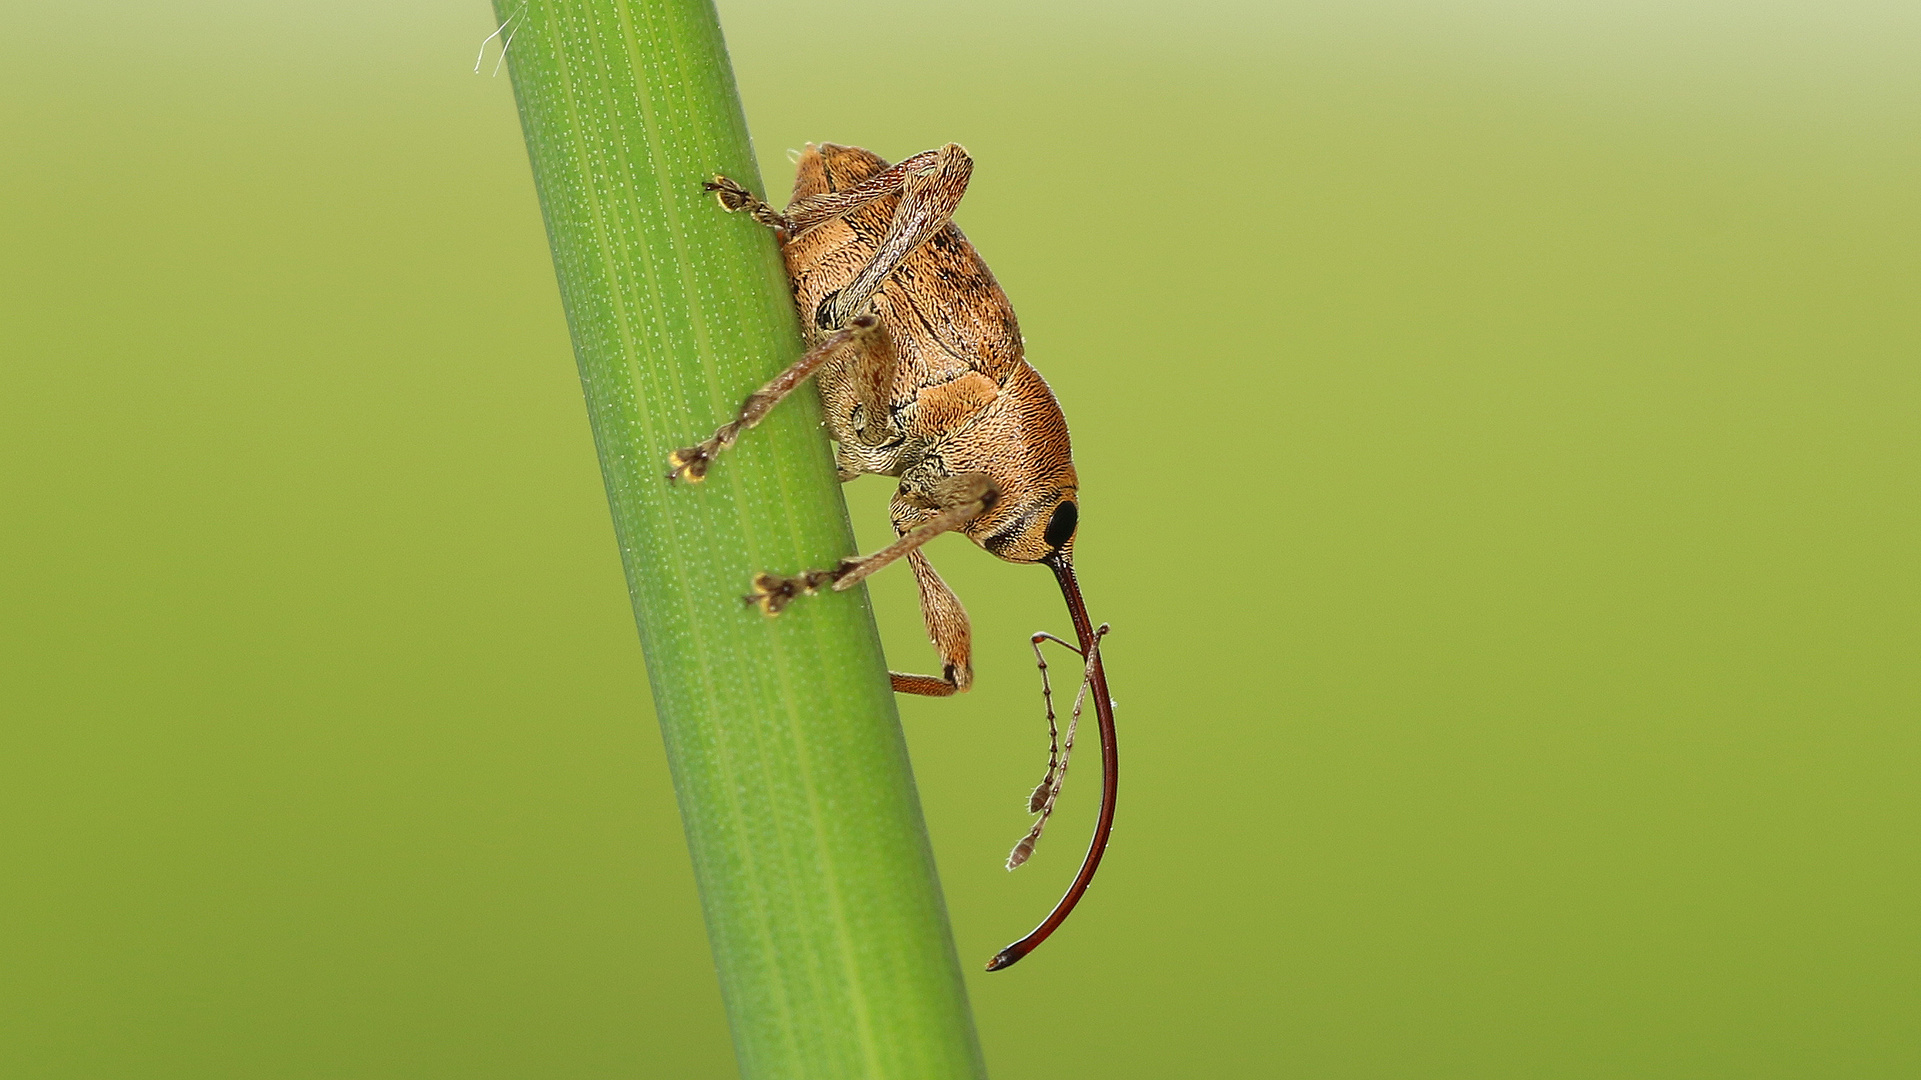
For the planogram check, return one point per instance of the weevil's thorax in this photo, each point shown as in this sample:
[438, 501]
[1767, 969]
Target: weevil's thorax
[1021, 442]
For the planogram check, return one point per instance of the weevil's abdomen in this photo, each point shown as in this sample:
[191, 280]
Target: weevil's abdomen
[946, 314]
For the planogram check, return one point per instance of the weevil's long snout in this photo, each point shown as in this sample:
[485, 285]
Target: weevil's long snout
[1063, 566]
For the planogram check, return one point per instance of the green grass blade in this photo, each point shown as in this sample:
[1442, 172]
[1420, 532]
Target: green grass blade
[825, 914]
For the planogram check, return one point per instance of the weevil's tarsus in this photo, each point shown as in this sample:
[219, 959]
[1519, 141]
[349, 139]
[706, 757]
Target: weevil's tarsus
[773, 593]
[965, 497]
[735, 198]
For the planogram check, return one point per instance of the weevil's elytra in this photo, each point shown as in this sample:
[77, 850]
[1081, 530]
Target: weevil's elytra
[922, 375]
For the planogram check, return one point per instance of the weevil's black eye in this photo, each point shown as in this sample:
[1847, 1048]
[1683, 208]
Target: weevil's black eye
[1060, 527]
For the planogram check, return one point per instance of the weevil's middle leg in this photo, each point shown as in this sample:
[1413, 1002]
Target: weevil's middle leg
[854, 392]
[863, 335]
[962, 499]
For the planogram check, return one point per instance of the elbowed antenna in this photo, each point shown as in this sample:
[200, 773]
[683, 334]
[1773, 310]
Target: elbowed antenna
[1063, 569]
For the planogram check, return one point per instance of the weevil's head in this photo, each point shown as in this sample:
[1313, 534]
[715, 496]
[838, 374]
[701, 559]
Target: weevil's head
[1038, 528]
[1020, 441]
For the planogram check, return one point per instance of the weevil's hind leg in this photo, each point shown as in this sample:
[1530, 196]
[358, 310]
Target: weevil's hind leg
[805, 213]
[947, 628]
[863, 335]
[929, 197]
[961, 499]
[735, 198]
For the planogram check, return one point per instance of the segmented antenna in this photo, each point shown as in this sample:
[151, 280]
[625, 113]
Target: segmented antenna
[1058, 752]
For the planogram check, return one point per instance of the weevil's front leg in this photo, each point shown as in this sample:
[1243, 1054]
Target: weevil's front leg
[947, 628]
[929, 196]
[862, 336]
[961, 499]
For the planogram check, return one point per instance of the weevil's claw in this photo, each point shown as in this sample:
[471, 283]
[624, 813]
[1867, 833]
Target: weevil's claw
[734, 198]
[690, 462]
[773, 593]
[731, 195]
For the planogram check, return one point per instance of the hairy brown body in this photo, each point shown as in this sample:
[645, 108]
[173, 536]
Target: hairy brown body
[921, 371]
[962, 388]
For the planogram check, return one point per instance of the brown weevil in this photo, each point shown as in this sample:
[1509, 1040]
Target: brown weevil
[920, 367]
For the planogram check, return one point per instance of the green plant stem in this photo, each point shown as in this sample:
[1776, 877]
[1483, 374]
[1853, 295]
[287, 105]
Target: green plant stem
[825, 914]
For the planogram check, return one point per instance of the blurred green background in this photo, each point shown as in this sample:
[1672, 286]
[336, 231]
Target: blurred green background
[1497, 424]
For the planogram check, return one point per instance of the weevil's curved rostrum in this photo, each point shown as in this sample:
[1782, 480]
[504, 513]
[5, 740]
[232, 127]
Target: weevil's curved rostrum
[921, 372]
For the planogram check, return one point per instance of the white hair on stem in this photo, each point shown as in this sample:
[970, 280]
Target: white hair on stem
[510, 30]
